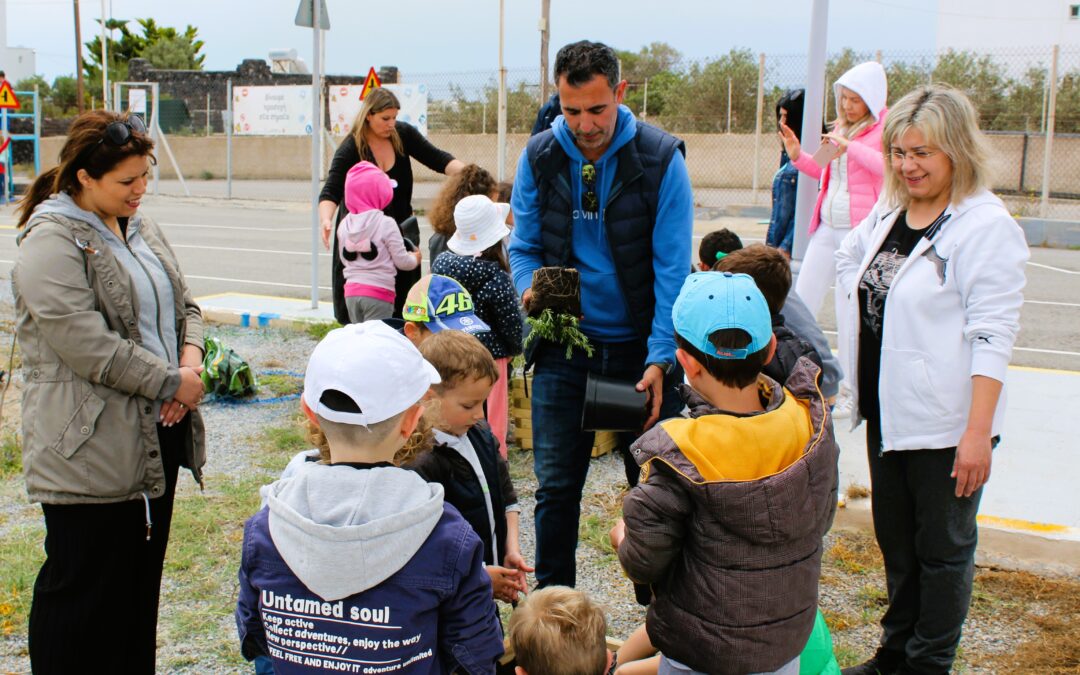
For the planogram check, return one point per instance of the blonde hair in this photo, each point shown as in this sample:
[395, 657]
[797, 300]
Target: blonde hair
[947, 119]
[376, 101]
[559, 631]
[422, 438]
[458, 357]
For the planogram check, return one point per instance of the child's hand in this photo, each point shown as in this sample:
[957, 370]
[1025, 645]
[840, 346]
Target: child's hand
[505, 583]
[617, 534]
[515, 561]
[419, 256]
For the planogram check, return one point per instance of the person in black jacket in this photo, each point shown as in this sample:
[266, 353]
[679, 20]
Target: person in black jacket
[378, 137]
[465, 458]
[772, 275]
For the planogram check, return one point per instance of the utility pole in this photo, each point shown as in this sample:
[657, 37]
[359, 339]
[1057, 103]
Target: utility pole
[501, 142]
[545, 34]
[104, 61]
[78, 61]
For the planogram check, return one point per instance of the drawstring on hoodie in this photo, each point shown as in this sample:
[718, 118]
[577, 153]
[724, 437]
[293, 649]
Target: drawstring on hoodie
[149, 523]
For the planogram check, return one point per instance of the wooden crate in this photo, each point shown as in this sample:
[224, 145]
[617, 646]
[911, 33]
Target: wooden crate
[521, 414]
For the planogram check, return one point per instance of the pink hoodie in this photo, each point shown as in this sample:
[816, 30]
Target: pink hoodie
[865, 162]
[372, 236]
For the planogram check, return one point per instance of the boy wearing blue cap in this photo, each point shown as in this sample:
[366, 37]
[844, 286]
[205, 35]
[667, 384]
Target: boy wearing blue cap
[728, 519]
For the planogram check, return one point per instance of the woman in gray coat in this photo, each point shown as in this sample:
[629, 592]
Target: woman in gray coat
[112, 350]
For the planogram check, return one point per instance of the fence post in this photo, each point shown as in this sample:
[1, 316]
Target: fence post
[228, 139]
[645, 100]
[729, 105]
[757, 123]
[1023, 162]
[501, 142]
[1048, 141]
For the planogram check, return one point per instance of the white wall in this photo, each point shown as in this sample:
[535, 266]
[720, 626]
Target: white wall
[18, 64]
[989, 25]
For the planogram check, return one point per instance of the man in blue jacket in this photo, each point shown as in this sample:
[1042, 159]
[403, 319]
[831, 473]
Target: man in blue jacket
[610, 196]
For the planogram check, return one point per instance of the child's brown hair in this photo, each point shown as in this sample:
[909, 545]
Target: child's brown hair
[472, 180]
[559, 631]
[769, 269]
[458, 357]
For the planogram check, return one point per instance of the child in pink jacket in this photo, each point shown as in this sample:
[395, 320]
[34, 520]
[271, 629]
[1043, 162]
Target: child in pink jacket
[370, 245]
[850, 184]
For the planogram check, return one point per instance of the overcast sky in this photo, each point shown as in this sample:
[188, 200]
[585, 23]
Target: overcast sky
[438, 36]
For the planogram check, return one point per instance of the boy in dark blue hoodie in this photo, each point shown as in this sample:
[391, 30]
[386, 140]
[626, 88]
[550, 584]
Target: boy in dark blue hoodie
[359, 564]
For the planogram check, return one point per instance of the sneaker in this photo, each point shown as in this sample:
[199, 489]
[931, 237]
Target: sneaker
[845, 404]
[884, 662]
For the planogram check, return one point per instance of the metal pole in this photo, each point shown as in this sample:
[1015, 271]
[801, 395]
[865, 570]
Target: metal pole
[757, 122]
[81, 102]
[155, 130]
[545, 34]
[228, 139]
[502, 94]
[7, 153]
[645, 100]
[104, 61]
[207, 113]
[806, 191]
[729, 105]
[37, 132]
[1048, 143]
[316, 143]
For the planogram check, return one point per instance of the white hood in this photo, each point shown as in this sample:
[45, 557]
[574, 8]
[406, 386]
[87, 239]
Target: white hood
[869, 82]
[343, 530]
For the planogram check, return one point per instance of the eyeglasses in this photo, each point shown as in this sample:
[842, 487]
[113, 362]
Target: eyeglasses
[119, 132]
[915, 156]
[589, 199]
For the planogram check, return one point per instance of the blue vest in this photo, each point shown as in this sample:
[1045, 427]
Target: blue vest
[629, 215]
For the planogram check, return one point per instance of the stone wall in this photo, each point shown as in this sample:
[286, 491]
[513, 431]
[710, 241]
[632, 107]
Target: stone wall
[192, 86]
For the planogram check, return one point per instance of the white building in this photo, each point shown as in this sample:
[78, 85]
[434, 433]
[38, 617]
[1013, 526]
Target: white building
[16, 62]
[989, 25]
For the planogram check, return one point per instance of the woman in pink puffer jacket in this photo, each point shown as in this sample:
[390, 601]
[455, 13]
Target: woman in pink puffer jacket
[850, 181]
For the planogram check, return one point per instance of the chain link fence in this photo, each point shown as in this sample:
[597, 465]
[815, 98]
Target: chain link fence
[713, 104]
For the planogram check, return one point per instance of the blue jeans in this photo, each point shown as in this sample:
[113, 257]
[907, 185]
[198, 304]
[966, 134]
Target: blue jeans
[781, 232]
[562, 451]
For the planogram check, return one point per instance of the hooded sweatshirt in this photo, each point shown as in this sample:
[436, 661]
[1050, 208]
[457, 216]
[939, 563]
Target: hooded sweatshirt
[856, 176]
[350, 565]
[606, 315]
[153, 289]
[369, 242]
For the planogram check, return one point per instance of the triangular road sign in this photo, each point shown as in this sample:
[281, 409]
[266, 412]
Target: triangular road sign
[8, 99]
[370, 83]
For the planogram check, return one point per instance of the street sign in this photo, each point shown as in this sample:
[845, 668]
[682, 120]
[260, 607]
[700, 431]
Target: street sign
[8, 99]
[304, 15]
[370, 83]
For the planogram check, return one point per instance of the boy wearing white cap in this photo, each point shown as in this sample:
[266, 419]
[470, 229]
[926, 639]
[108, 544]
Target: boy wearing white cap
[360, 562]
[727, 521]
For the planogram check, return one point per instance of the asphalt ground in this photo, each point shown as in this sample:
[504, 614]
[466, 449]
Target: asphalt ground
[264, 247]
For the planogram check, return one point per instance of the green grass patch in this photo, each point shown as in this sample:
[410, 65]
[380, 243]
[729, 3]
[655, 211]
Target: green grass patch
[593, 531]
[200, 583]
[280, 444]
[10, 455]
[21, 555]
[319, 330]
[281, 384]
[521, 464]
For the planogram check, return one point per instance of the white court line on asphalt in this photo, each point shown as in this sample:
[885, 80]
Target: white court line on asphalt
[249, 281]
[250, 250]
[238, 227]
[1052, 268]
[1015, 349]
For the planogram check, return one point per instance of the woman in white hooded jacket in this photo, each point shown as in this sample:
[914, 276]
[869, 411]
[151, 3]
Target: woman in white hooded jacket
[935, 278]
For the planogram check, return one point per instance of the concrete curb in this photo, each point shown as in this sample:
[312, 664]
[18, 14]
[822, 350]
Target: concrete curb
[1051, 233]
[1017, 551]
[263, 320]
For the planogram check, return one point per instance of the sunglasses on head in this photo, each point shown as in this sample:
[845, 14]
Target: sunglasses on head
[589, 200]
[119, 132]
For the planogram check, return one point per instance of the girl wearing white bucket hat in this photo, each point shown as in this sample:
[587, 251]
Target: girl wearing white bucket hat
[477, 261]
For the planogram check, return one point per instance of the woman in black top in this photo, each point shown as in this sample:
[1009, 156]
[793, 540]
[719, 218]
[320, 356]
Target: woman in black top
[379, 138]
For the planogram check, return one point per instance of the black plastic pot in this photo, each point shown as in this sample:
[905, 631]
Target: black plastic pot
[613, 405]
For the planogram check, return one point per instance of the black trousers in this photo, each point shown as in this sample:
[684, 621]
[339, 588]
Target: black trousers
[95, 600]
[928, 537]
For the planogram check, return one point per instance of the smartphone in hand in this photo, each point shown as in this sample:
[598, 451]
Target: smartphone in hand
[826, 153]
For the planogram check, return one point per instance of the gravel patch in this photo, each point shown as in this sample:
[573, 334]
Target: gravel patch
[851, 593]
